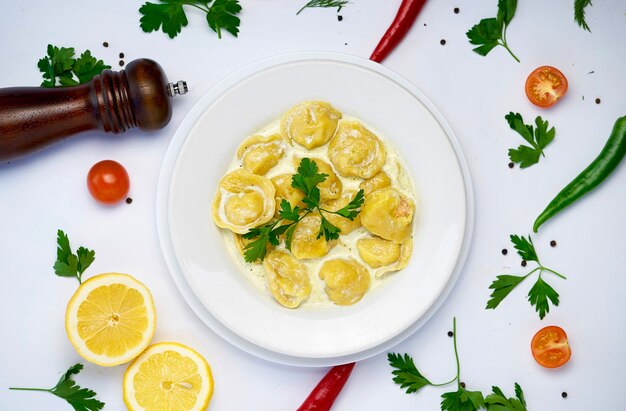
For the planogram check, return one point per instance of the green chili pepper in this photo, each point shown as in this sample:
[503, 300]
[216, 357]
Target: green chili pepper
[592, 176]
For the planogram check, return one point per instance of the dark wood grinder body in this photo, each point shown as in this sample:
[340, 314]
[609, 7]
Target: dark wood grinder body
[32, 118]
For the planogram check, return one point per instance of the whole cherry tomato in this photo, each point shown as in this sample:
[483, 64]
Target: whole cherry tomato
[545, 86]
[550, 347]
[108, 181]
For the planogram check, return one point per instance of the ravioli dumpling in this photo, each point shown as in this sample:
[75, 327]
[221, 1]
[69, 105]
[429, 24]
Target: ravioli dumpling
[287, 278]
[284, 191]
[243, 201]
[345, 225]
[310, 124]
[380, 180]
[377, 252]
[355, 151]
[304, 243]
[346, 280]
[258, 154]
[388, 214]
[406, 249]
[330, 188]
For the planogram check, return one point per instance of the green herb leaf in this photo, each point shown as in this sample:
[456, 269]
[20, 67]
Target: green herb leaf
[306, 180]
[351, 211]
[223, 15]
[287, 212]
[491, 32]
[170, 16]
[257, 249]
[406, 374]
[328, 230]
[81, 399]
[539, 296]
[538, 138]
[87, 67]
[289, 236]
[524, 247]
[60, 65]
[579, 13]
[462, 400]
[324, 3]
[502, 286]
[498, 401]
[69, 264]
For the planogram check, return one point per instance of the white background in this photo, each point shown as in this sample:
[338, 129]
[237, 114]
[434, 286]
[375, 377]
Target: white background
[47, 191]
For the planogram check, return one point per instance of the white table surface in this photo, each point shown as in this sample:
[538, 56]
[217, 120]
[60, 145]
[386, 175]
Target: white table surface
[47, 191]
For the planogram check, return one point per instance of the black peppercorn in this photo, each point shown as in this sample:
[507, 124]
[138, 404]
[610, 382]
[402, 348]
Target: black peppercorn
[511, 165]
[564, 394]
[504, 251]
[105, 44]
[450, 334]
[456, 10]
[121, 55]
[129, 200]
[552, 243]
[442, 42]
[524, 263]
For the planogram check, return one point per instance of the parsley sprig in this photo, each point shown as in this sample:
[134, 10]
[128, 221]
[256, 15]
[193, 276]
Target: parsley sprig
[81, 399]
[579, 13]
[69, 264]
[540, 295]
[538, 138]
[324, 3]
[59, 65]
[408, 377]
[491, 32]
[306, 180]
[170, 16]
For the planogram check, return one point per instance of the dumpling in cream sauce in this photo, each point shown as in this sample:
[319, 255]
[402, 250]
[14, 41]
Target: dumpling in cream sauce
[388, 213]
[310, 124]
[243, 201]
[258, 154]
[355, 151]
[346, 280]
[305, 244]
[287, 278]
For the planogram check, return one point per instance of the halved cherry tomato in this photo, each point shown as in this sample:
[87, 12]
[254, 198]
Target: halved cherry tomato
[108, 181]
[550, 347]
[545, 86]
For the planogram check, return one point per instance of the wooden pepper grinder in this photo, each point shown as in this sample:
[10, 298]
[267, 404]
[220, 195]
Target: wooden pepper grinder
[32, 118]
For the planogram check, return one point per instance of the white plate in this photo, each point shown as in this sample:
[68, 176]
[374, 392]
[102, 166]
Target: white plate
[210, 281]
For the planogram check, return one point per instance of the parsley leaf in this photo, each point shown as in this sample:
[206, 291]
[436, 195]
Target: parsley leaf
[60, 65]
[579, 13]
[69, 264]
[170, 16]
[351, 211]
[501, 287]
[81, 399]
[498, 401]
[540, 294]
[223, 15]
[257, 249]
[462, 400]
[306, 180]
[87, 67]
[524, 247]
[287, 212]
[328, 230]
[538, 138]
[324, 3]
[406, 374]
[491, 32]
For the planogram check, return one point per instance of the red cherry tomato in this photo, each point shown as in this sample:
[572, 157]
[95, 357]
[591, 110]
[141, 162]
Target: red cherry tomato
[108, 181]
[545, 86]
[550, 347]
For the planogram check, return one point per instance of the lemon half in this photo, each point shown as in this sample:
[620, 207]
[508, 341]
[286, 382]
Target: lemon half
[110, 319]
[168, 376]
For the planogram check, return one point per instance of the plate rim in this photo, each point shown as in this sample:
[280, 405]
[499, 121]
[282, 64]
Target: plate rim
[162, 214]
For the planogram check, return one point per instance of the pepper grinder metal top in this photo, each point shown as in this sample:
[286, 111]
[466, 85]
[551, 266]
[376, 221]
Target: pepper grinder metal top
[32, 118]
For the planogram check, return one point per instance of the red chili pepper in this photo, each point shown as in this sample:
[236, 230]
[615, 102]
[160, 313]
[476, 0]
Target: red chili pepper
[407, 13]
[326, 391]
